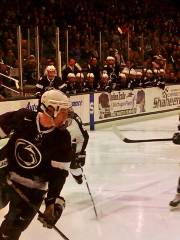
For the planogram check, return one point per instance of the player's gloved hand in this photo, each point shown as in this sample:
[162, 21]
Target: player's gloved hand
[176, 138]
[80, 158]
[53, 211]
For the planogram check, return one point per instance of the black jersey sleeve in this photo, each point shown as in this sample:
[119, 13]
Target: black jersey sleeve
[60, 168]
[41, 84]
[10, 120]
[56, 183]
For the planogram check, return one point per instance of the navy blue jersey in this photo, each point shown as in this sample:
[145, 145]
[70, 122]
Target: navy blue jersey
[44, 83]
[34, 152]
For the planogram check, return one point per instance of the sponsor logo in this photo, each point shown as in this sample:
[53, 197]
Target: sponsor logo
[91, 108]
[32, 107]
[77, 103]
[26, 119]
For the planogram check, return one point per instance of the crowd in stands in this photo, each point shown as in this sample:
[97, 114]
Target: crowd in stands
[142, 37]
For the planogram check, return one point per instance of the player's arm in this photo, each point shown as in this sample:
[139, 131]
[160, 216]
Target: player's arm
[84, 133]
[58, 173]
[54, 203]
[9, 121]
[60, 164]
[80, 139]
[40, 85]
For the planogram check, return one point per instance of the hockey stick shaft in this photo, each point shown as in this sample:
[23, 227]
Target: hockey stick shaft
[127, 140]
[74, 145]
[24, 197]
[90, 193]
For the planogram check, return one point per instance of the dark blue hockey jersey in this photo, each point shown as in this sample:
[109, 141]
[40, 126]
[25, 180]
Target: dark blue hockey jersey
[36, 155]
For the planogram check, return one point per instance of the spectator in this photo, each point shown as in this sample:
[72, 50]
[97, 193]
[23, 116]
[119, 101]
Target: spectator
[71, 67]
[94, 68]
[29, 70]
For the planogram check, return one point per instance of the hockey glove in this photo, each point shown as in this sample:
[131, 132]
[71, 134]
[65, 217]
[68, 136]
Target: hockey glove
[52, 212]
[176, 138]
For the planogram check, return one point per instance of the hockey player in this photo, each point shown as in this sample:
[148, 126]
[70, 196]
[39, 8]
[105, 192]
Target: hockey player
[79, 137]
[49, 80]
[39, 154]
[175, 203]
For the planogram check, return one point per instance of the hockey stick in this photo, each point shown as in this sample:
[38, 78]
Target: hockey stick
[89, 193]
[21, 194]
[74, 145]
[127, 140]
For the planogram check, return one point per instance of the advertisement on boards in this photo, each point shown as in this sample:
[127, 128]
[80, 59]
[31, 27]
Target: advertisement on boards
[119, 103]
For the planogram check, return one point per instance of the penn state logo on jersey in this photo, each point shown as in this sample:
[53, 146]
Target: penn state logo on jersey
[27, 155]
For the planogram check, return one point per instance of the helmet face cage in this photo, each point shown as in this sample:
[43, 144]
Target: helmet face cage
[69, 119]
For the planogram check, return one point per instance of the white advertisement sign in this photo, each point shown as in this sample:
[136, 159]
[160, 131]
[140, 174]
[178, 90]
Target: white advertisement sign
[158, 99]
[118, 104]
[15, 105]
[80, 105]
[138, 101]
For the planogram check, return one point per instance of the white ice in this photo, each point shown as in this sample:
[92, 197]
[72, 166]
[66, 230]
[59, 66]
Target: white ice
[131, 184]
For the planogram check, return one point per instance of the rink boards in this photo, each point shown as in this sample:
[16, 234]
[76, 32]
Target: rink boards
[102, 107]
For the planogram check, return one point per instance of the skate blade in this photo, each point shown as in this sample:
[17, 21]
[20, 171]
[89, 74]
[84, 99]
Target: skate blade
[177, 208]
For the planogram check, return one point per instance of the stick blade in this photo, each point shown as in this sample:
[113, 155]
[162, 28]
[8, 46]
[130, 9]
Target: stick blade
[127, 140]
[118, 134]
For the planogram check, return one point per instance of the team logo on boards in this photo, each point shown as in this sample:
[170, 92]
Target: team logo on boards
[27, 155]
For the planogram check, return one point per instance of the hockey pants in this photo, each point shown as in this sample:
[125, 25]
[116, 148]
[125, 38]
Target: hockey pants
[20, 214]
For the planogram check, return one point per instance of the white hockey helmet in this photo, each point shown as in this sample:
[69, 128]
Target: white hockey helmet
[110, 58]
[56, 99]
[90, 75]
[71, 75]
[122, 75]
[50, 68]
[80, 75]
